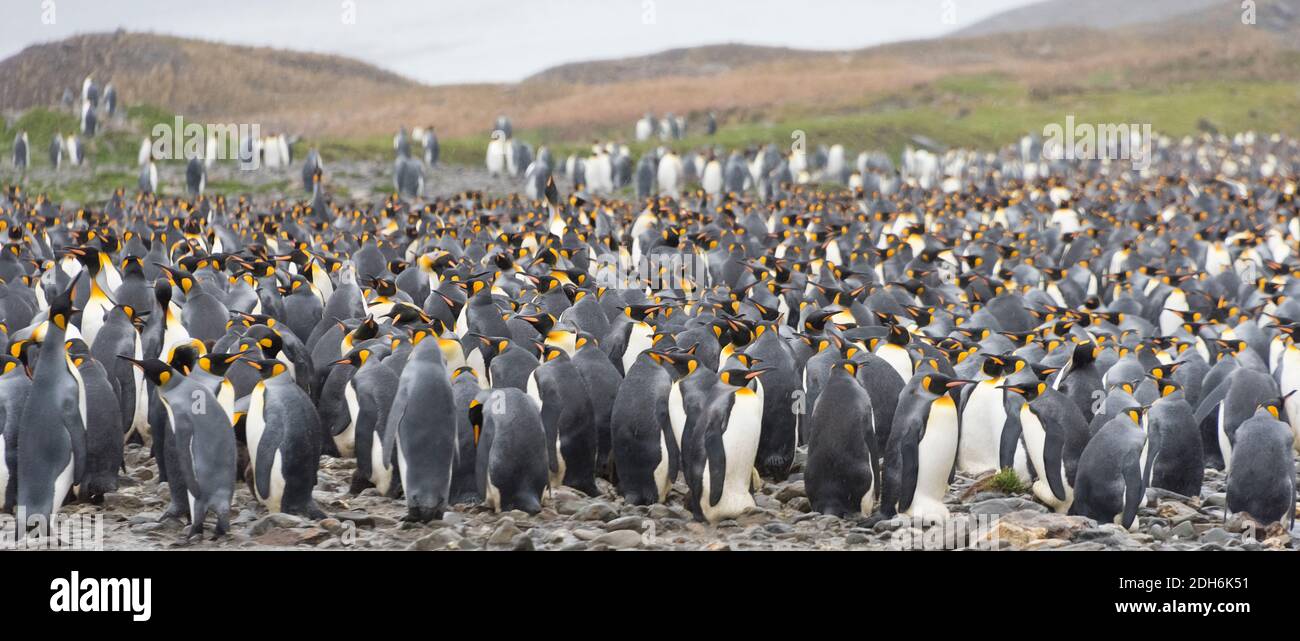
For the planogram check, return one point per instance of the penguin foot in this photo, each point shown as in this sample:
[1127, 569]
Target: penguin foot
[170, 514]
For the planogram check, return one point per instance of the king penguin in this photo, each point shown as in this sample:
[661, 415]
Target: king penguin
[284, 443]
[1043, 431]
[368, 395]
[1111, 481]
[424, 449]
[14, 388]
[52, 432]
[731, 427]
[511, 447]
[562, 399]
[922, 450]
[643, 448]
[204, 443]
[1261, 479]
[840, 473]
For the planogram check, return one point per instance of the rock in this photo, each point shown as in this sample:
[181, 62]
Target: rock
[522, 543]
[439, 539]
[1176, 512]
[276, 520]
[332, 525]
[1218, 499]
[1054, 526]
[1046, 544]
[292, 536]
[1183, 531]
[598, 511]
[1218, 536]
[361, 519]
[660, 511]
[504, 534]
[619, 539]
[633, 523]
[856, 538]
[766, 502]
[777, 527]
[1279, 542]
[791, 491]
[799, 504]
[1005, 506]
[116, 500]
[584, 534]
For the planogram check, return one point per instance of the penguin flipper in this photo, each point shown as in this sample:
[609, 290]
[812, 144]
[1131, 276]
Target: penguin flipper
[717, 454]
[1011, 429]
[911, 467]
[266, 449]
[1210, 401]
[1134, 490]
[77, 434]
[1053, 453]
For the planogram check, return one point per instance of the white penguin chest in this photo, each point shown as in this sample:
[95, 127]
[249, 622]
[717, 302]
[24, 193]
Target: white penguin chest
[740, 442]
[982, 422]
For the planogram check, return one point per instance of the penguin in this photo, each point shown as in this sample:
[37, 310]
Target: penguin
[1111, 482]
[602, 381]
[1261, 478]
[119, 337]
[465, 389]
[1180, 466]
[1043, 432]
[424, 449]
[14, 388]
[1232, 402]
[562, 398]
[626, 340]
[642, 445]
[284, 442]
[840, 472]
[987, 444]
[922, 448]
[204, 443]
[781, 383]
[368, 396]
[104, 431]
[51, 435]
[511, 446]
[731, 426]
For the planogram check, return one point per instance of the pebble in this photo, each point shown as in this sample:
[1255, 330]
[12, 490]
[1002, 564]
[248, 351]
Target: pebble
[504, 534]
[598, 511]
[619, 540]
[624, 523]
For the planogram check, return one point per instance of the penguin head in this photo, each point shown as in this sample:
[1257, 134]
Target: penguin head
[88, 257]
[155, 371]
[938, 384]
[268, 367]
[406, 313]
[10, 364]
[847, 366]
[993, 366]
[741, 377]
[267, 339]
[1030, 391]
[61, 309]
[356, 358]
[217, 364]
[476, 418]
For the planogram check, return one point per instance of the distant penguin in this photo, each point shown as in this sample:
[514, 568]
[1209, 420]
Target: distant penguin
[432, 151]
[284, 442]
[56, 151]
[840, 473]
[922, 449]
[511, 447]
[424, 450]
[1111, 482]
[196, 177]
[22, 153]
[1262, 477]
[408, 177]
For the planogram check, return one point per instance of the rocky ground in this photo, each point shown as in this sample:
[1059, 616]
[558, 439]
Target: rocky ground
[781, 520]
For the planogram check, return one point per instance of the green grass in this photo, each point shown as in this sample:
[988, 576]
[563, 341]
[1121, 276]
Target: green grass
[1007, 482]
[970, 110]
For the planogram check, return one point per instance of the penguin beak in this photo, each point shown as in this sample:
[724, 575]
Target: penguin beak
[958, 383]
[755, 373]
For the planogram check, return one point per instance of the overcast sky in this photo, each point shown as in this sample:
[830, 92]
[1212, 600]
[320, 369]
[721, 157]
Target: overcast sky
[453, 41]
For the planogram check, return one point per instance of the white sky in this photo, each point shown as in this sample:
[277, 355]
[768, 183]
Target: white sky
[454, 41]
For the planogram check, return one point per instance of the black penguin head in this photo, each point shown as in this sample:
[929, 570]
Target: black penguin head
[356, 358]
[155, 371]
[540, 322]
[1030, 391]
[845, 365]
[993, 366]
[938, 384]
[406, 313]
[1166, 386]
[268, 367]
[61, 309]
[898, 335]
[267, 339]
[76, 347]
[217, 364]
[741, 377]
[185, 356]
[9, 364]
[88, 257]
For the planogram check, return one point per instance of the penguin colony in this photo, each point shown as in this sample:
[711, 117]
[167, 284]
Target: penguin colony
[1094, 331]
